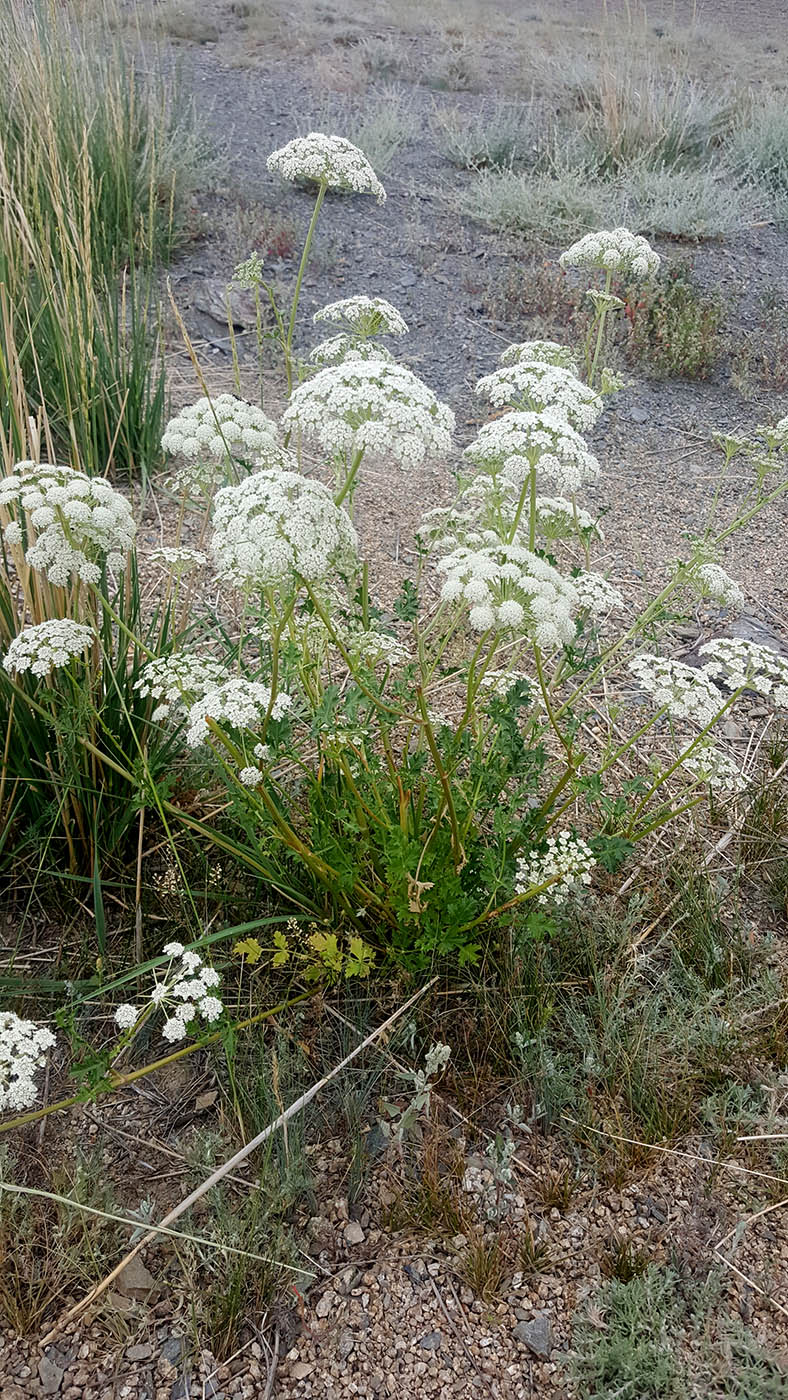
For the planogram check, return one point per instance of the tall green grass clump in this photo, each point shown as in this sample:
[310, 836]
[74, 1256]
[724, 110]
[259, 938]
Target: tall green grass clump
[95, 160]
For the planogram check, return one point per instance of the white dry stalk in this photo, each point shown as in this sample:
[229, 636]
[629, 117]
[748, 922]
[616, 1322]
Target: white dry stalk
[221, 1172]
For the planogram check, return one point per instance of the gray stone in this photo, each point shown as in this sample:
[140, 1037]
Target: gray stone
[536, 1334]
[354, 1233]
[140, 1352]
[50, 1374]
[431, 1341]
[136, 1281]
[172, 1349]
[639, 415]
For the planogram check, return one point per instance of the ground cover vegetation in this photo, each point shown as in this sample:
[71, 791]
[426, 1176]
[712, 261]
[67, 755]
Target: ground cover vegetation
[273, 807]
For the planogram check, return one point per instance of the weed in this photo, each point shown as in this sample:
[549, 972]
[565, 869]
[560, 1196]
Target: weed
[759, 146]
[95, 164]
[555, 1187]
[497, 137]
[683, 204]
[760, 358]
[483, 1265]
[636, 1353]
[624, 1260]
[552, 207]
[675, 328]
[534, 1255]
[536, 298]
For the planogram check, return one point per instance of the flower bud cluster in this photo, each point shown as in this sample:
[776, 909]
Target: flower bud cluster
[46, 646]
[71, 525]
[329, 160]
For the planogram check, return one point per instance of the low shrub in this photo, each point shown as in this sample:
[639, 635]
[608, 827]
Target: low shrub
[675, 328]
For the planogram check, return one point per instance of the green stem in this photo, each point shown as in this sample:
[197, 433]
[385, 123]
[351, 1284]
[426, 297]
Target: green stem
[321, 194]
[119, 1081]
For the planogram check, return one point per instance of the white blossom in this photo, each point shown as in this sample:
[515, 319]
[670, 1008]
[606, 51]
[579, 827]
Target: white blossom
[558, 518]
[250, 776]
[597, 594]
[185, 988]
[339, 348]
[747, 665]
[718, 769]
[23, 1048]
[508, 587]
[685, 692]
[712, 581]
[613, 250]
[240, 703]
[216, 435]
[564, 866]
[178, 680]
[274, 526]
[371, 405]
[545, 352]
[46, 646]
[179, 560]
[535, 386]
[327, 159]
[74, 524]
[516, 443]
[364, 316]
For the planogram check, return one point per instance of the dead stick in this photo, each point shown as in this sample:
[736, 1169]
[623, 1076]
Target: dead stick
[224, 1170]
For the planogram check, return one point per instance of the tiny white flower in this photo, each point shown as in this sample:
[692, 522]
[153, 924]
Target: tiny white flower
[126, 1016]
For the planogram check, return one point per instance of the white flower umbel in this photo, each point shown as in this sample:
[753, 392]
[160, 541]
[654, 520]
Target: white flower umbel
[179, 560]
[540, 352]
[597, 595]
[239, 703]
[684, 692]
[508, 588]
[371, 406]
[213, 434]
[346, 347]
[718, 769]
[274, 528]
[613, 250]
[46, 646]
[176, 682]
[72, 525]
[517, 442]
[186, 988]
[328, 160]
[711, 581]
[364, 316]
[564, 866]
[23, 1050]
[557, 518]
[747, 665]
[536, 386]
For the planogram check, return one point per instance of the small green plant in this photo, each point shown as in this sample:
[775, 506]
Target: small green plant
[484, 1264]
[635, 1352]
[675, 328]
[498, 137]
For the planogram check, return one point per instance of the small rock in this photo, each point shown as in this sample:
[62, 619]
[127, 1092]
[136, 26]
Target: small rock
[639, 415]
[346, 1344]
[325, 1304]
[51, 1375]
[136, 1281]
[354, 1233]
[536, 1334]
[140, 1352]
[431, 1342]
[301, 1370]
